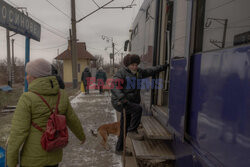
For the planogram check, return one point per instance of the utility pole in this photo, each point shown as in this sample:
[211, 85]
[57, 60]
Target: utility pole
[74, 50]
[122, 58]
[110, 58]
[70, 41]
[8, 57]
[112, 55]
[13, 63]
[113, 48]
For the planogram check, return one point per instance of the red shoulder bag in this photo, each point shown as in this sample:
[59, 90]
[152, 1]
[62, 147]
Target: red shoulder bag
[56, 134]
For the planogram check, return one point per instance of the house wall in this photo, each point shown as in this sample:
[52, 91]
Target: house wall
[67, 69]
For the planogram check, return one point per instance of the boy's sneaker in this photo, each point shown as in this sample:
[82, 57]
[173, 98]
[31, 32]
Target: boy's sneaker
[135, 135]
[128, 153]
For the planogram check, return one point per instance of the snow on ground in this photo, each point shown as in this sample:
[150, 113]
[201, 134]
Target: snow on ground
[93, 110]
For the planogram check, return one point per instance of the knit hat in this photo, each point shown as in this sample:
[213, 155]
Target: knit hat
[38, 68]
[130, 59]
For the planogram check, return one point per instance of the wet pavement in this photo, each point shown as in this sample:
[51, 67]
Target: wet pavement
[93, 110]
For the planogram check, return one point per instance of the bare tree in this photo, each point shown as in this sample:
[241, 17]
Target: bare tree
[99, 61]
[18, 72]
[18, 62]
[3, 62]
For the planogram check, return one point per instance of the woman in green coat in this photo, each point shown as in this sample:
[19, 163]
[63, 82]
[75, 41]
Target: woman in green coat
[31, 108]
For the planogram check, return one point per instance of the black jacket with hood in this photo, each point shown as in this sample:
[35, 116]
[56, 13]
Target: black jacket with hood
[130, 93]
[101, 75]
[85, 74]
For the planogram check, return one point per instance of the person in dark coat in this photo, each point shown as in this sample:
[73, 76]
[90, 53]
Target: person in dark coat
[59, 79]
[126, 95]
[101, 78]
[85, 75]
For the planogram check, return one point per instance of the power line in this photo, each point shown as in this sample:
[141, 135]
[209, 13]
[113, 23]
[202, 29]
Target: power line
[121, 7]
[224, 4]
[94, 48]
[47, 48]
[132, 2]
[11, 3]
[101, 7]
[58, 9]
[96, 3]
[47, 24]
[78, 12]
[54, 47]
[54, 32]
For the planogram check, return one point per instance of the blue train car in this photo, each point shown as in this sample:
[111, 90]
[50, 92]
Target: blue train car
[205, 102]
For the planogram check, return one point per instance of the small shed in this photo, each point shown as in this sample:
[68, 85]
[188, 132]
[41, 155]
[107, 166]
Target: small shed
[83, 60]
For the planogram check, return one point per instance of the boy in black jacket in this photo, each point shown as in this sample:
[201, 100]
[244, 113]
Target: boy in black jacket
[125, 95]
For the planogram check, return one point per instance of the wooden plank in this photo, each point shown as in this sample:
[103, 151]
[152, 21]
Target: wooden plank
[152, 149]
[8, 110]
[154, 130]
[161, 114]
[10, 107]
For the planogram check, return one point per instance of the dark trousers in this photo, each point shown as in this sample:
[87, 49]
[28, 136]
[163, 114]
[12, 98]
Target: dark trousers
[133, 119]
[101, 89]
[86, 87]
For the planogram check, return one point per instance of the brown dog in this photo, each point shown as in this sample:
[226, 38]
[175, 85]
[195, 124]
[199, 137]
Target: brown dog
[106, 129]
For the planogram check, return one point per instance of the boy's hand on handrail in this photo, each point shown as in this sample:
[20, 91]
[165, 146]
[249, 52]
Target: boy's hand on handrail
[166, 65]
[123, 102]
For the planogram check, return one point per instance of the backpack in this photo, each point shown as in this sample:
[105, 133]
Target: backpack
[56, 134]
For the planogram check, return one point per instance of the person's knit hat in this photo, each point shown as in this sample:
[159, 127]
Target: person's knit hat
[130, 59]
[38, 68]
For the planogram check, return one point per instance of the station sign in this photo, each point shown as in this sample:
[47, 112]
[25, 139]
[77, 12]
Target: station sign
[16, 21]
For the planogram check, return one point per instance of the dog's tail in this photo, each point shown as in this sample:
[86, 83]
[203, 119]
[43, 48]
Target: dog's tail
[93, 133]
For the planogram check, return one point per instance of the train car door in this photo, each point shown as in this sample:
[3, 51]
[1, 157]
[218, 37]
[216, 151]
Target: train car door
[173, 41]
[163, 52]
[179, 66]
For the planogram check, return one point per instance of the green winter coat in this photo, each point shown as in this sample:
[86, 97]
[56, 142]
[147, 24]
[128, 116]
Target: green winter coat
[30, 108]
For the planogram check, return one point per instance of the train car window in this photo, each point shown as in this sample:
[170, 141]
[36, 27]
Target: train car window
[226, 24]
[179, 28]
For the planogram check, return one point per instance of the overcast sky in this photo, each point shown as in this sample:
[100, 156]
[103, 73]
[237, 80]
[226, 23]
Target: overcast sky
[109, 22]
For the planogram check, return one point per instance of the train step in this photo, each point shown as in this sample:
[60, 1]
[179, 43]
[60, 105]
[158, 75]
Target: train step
[10, 107]
[153, 153]
[154, 130]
